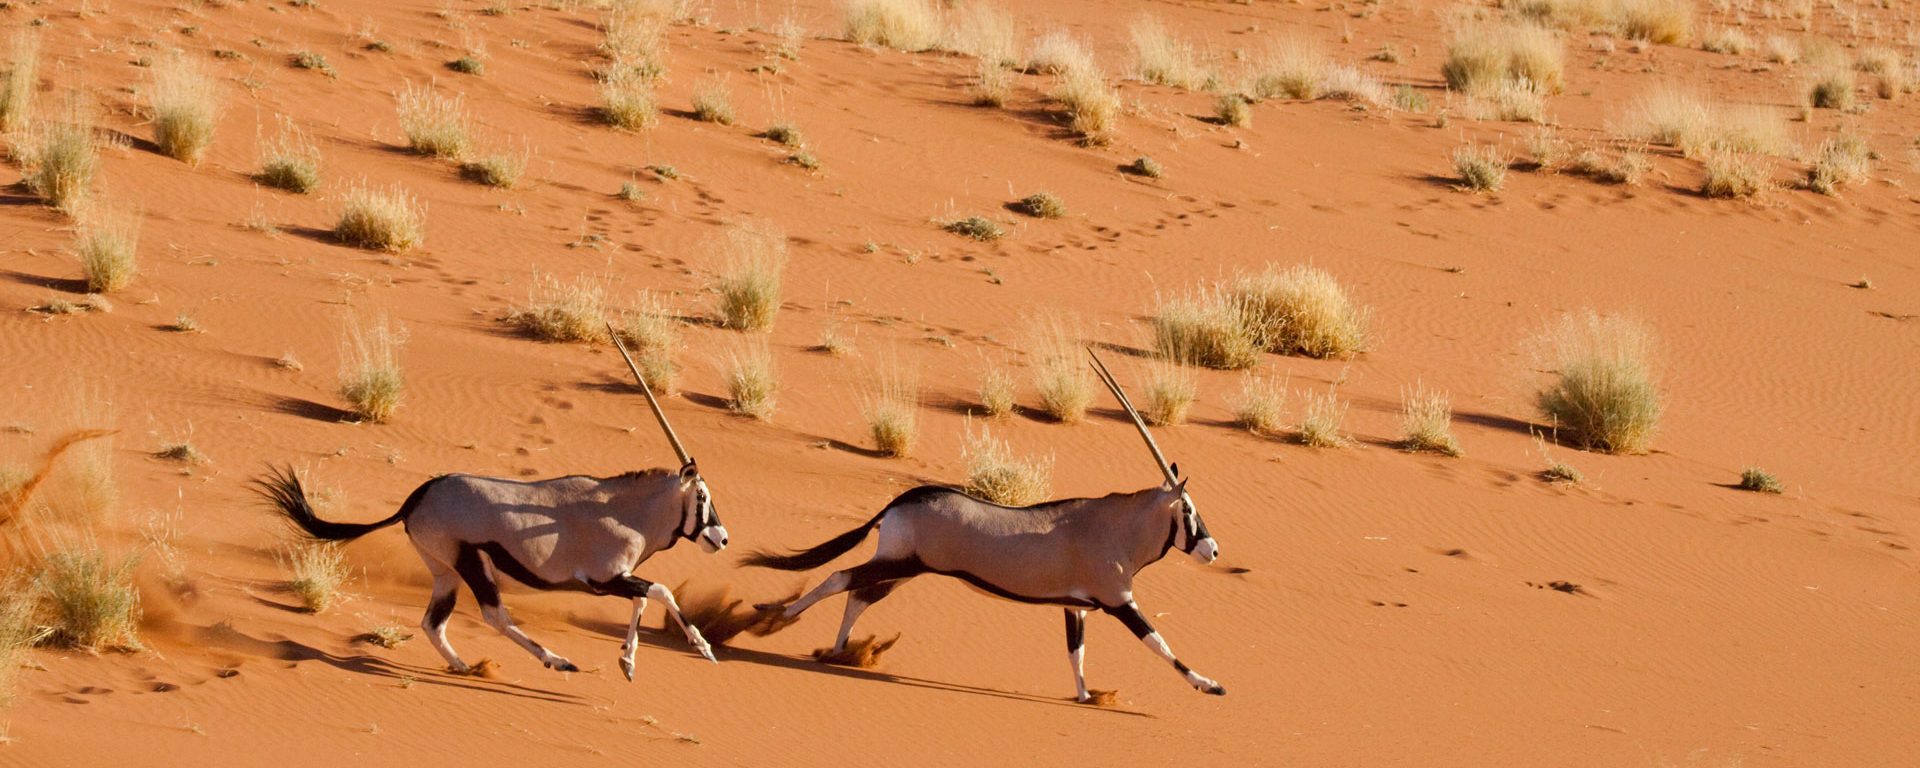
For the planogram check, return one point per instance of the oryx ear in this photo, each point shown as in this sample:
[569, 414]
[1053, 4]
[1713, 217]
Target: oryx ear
[689, 471]
[1176, 470]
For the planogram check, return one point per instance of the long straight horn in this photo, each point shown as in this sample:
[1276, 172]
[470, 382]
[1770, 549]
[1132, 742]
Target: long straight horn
[1138, 423]
[678, 449]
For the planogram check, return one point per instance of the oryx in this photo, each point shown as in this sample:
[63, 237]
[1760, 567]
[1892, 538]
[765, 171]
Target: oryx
[1077, 553]
[573, 533]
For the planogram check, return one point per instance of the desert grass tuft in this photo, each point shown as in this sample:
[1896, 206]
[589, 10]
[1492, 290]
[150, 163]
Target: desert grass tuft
[1261, 405]
[785, 134]
[752, 384]
[59, 159]
[1731, 174]
[997, 393]
[1628, 168]
[1481, 58]
[563, 312]
[907, 25]
[1169, 394]
[1162, 59]
[652, 332]
[754, 258]
[1303, 310]
[1147, 167]
[316, 574]
[19, 81]
[713, 102]
[994, 473]
[290, 160]
[1666, 22]
[185, 106]
[1831, 87]
[1728, 40]
[892, 409]
[434, 124]
[1042, 205]
[1233, 109]
[87, 598]
[1481, 167]
[627, 101]
[1291, 67]
[975, 228]
[1208, 327]
[1320, 420]
[370, 377]
[501, 169]
[1759, 480]
[1059, 52]
[1603, 396]
[1060, 377]
[182, 451]
[18, 631]
[1093, 107]
[386, 636]
[108, 244]
[1782, 50]
[1426, 417]
[1844, 159]
[387, 219]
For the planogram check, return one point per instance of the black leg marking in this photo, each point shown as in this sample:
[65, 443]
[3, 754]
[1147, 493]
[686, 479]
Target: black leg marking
[629, 587]
[1130, 615]
[878, 573]
[1076, 630]
[441, 608]
[473, 570]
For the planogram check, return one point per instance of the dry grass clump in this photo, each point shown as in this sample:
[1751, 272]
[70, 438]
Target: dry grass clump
[1547, 150]
[1512, 101]
[1426, 418]
[496, 169]
[1292, 67]
[1162, 59]
[370, 378]
[20, 81]
[561, 312]
[713, 102]
[906, 25]
[754, 259]
[1831, 87]
[1667, 22]
[633, 36]
[1482, 57]
[1093, 107]
[182, 451]
[87, 600]
[1782, 50]
[1603, 396]
[1841, 160]
[1261, 405]
[17, 631]
[1145, 166]
[1042, 205]
[751, 381]
[1058, 52]
[627, 101]
[1759, 480]
[995, 474]
[434, 124]
[993, 83]
[1209, 327]
[1233, 109]
[1732, 174]
[653, 333]
[975, 228]
[107, 244]
[1629, 168]
[185, 106]
[58, 159]
[892, 409]
[1696, 126]
[1302, 310]
[1728, 40]
[1059, 377]
[997, 391]
[1347, 83]
[1321, 419]
[387, 219]
[290, 160]
[316, 572]
[1878, 60]
[987, 32]
[1169, 394]
[386, 636]
[1481, 167]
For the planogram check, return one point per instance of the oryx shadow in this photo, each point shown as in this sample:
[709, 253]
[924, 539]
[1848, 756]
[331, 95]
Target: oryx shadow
[224, 636]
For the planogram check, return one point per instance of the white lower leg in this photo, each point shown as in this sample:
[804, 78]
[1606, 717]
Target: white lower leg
[1078, 656]
[496, 616]
[633, 637]
[834, 585]
[437, 637]
[1194, 679]
[665, 596]
[855, 606]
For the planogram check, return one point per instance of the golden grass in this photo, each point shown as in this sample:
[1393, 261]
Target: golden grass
[1731, 174]
[290, 160]
[633, 36]
[434, 124]
[1426, 418]
[501, 169]
[1169, 394]
[185, 107]
[1303, 310]
[892, 409]
[1347, 83]
[1261, 405]
[1233, 109]
[1603, 396]
[1481, 167]
[1209, 327]
[563, 312]
[1547, 150]
[108, 243]
[754, 258]
[1291, 67]
[387, 219]
[1060, 375]
[1667, 22]
[58, 159]
[386, 636]
[20, 81]
[1042, 205]
[316, 573]
[1759, 480]
[1782, 50]
[1831, 87]
[1682, 118]
[1093, 107]
[1628, 168]
[994, 473]
[370, 377]
[1844, 159]
[1728, 40]
[87, 599]
[627, 101]
[1482, 57]
[907, 25]
[652, 332]
[993, 83]
[986, 32]
[1321, 419]
[18, 633]
[713, 101]
[752, 383]
[1511, 101]
[1162, 59]
[997, 393]
[1058, 52]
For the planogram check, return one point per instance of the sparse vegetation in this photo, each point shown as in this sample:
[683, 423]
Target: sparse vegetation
[59, 158]
[1168, 395]
[755, 256]
[785, 134]
[290, 160]
[387, 636]
[107, 244]
[751, 382]
[181, 451]
[1731, 174]
[87, 599]
[1483, 58]
[496, 169]
[1302, 310]
[1844, 159]
[1042, 205]
[1233, 109]
[313, 61]
[1481, 167]
[1782, 50]
[975, 228]
[434, 124]
[1209, 327]
[1426, 417]
[907, 25]
[1321, 419]
[1059, 377]
[1162, 59]
[1292, 67]
[1831, 87]
[995, 474]
[1759, 480]
[1603, 396]
[387, 219]
[713, 102]
[1629, 168]
[1145, 166]
[562, 312]
[1261, 406]
[892, 409]
[1728, 40]
[627, 101]
[1093, 108]
[654, 335]
[997, 391]
[316, 574]
[468, 65]
[19, 82]
[370, 378]
[185, 106]
[1698, 127]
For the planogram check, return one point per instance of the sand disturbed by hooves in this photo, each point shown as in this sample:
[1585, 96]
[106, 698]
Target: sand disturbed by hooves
[863, 653]
[722, 617]
[484, 668]
[1106, 699]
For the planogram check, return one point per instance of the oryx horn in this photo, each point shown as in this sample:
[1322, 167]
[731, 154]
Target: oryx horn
[678, 449]
[1139, 423]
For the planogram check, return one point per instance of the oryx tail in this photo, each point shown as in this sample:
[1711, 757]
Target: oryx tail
[808, 559]
[282, 487]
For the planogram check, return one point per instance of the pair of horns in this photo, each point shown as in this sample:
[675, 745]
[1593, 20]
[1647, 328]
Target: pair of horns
[1106, 376]
[678, 449]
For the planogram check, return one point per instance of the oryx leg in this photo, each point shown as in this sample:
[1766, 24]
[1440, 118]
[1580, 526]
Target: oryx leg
[665, 596]
[446, 592]
[1076, 651]
[864, 575]
[1129, 614]
[635, 589]
[857, 602]
[478, 574]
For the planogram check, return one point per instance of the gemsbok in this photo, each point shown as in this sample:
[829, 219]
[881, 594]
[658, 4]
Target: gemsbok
[1077, 553]
[568, 533]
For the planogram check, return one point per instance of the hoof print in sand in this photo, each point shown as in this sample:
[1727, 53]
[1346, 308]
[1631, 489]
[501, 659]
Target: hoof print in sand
[1561, 585]
[1102, 699]
[485, 668]
[863, 653]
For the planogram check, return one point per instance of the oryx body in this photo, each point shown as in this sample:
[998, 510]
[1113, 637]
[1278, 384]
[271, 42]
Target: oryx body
[1080, 554]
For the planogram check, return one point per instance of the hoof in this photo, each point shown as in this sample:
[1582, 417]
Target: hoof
[1216, 690]
[707, 651]
[626, 668]
[769, 607]
[562, 665]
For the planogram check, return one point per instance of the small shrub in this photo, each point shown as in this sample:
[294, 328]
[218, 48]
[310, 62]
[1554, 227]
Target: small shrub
[1831, 88]
[1728, 40]
[434, 124]
[1665, 22]
[713, 102]
[1233, 109]
[1058, 52]
[559, 312]
[751, 383]
[19, 82]
[182, 452]
[976, 228]
[804, 159]
[1734, 175]
[1292, 68]
[993, 83]
[1261, 406]
[1346, 83]
[381, 219]
[1781, 50]
[653, 333]
[468, 65]
[1629, 168]
[627, 102]
[1169, 395]
[107, 246]
[631, 192]
[313, 61]
[370, 378]
[182, 323]
[1206, 327]
[1759, 480]
[1562, 473]
[1841, 160]
[1042, 205]
[185, 106]
[995, 474]
[907, 25]
[1145, 166]
[88, 601]
[1482, 168]
[997, 392]
[1406, 98]
[1321, 419]
[1093, 108]
[755, 256]
[1060, 378]
[1302, 310]
[1603, 396]
[1426, 418]
[290, 161]
[59, 161]
[387, 636]
[498, 169]
[316, 572]
[1548, 150]
[784, 134]
[1160, 58]
[892, 410]
[1482, 58]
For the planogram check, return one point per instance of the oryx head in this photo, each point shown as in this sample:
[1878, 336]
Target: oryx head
[1190, 534]
[698, 519]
